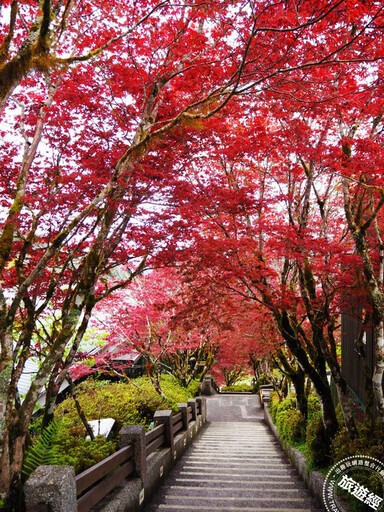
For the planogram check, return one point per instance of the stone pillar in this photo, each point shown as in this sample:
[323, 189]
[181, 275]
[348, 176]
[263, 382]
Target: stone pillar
[192, 404]
[135, 435]
[203, 407]
[54, 486]
[206, 388]
[165, 418]
[184, 412]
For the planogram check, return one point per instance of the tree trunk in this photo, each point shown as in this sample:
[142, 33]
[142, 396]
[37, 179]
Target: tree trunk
[328, 411]
[297, 376]
[320, 383]
[6, 368]
[11, 461]
[298, 380]
[79, 409]
[378, 373]
[345, 404]
[154, 377]
[329, 353]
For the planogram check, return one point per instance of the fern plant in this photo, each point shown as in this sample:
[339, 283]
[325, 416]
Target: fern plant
[45, 451]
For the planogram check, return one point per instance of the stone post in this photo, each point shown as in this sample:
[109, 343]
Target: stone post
[165, 418]
[203, 408]
[192, 404]
[135, 435]
[54, 486]
[184, 412]
[206, 387]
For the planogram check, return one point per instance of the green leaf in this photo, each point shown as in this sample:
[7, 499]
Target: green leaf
[45, 451]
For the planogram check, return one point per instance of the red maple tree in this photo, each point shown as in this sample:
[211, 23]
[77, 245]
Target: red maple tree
[102, 105]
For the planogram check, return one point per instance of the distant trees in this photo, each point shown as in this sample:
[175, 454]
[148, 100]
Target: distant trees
[148, 319]
[177, 329]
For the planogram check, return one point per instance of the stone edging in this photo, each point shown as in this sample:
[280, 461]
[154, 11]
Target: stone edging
[314, 480]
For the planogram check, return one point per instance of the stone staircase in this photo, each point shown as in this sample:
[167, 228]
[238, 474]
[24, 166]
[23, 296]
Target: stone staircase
[234, 466]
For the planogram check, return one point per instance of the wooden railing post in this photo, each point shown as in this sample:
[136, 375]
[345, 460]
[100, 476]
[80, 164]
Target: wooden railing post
[165, 418]
[51, 486]
[184, 412]
[193, 405]
[135, 435]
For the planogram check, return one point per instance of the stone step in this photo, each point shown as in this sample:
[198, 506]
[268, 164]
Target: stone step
[203, 503]
[214, 508]
[241, 456]
[209, 490]
[261, 477]
[250, 473]
[244, 466]
[270, 483]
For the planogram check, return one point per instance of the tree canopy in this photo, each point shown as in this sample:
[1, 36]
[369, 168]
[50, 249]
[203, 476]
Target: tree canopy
[240, 141]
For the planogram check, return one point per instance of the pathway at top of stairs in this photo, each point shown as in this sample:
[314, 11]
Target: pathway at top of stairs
[234, 465]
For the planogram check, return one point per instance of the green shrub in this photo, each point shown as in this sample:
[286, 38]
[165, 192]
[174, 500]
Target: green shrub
[115, 400]
[290, 425]
[339, 416]
[313, 406]
[81, 453]
[194, 387]
[175, 393]
[368, 442]
[237, 388]
[316, 441]
[294, 426]
[281, 416]
[289, 422]
[286, 404]
[274, 402]
[125, 403]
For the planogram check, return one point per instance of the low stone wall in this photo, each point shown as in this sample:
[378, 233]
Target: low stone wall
[314, 480]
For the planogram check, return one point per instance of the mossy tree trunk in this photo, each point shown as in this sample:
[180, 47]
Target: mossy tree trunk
[295, 374]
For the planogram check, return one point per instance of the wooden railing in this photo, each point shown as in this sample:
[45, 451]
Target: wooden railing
[96, 482]
[120, 464]
[177, 422]
[155, 439]
[49, 485]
